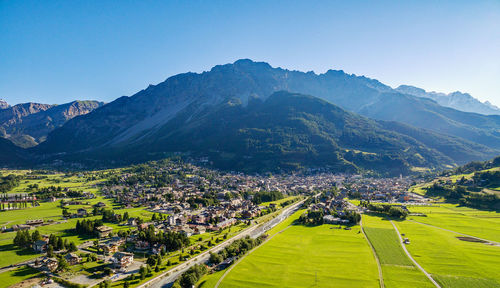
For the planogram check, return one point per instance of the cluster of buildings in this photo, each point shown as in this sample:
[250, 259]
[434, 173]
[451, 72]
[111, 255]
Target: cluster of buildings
[379, 189]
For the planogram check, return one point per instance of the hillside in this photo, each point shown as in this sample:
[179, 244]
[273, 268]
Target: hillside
[28, 124]
[476, 184]
[286, 131]
[128, 118]
[11, 155]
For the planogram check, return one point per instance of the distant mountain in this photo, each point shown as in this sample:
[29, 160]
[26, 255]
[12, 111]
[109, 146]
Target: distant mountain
[28, 124]
[4, 104]
[228, 114]
[128, 118]
[456, 100]
[286, 131]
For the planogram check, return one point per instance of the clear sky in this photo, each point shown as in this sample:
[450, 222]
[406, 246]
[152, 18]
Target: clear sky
[58, 51]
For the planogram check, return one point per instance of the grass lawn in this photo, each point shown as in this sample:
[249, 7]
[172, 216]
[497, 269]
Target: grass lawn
[452, 262]
[17, 275]
[278, 201]
[479, 223]
[302, 256]
[209, 280]
[397, 268]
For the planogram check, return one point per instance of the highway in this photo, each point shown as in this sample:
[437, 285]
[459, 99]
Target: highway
[167, 279]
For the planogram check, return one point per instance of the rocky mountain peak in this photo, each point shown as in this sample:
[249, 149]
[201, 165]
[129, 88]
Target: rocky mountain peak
[4, 104]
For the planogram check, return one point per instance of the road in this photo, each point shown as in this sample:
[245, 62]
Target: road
[167, 279]
[413, 260]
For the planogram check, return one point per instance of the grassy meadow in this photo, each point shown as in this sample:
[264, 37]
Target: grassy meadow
[452, 262]
[301, 256]
[397, 268]
[478, 223]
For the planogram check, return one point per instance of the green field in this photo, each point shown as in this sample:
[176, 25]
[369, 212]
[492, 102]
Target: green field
[397, 268]
[302, 256]
[452, 262]
[478, 223]
[17, 275]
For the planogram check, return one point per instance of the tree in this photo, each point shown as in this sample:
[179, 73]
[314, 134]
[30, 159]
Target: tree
[72, 247]
[62, 264]
[50, 251]
[36, 236]
[215, 258]
[142, 272]
[126, 284]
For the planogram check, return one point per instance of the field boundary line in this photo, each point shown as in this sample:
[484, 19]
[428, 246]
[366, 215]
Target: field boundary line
[413, 260]
[421, 223]
[239, 260]
[380, 275]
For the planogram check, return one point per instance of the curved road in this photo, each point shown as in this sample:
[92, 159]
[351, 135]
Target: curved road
[167, 279]
[413, 260]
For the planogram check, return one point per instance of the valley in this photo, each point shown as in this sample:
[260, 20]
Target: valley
[210, 212]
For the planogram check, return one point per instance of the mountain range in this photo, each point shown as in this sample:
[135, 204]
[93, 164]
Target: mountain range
[28, 124]
[250, 116]
[456, 100]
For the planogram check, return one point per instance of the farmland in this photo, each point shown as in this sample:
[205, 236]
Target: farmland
[397, 269]
[452, 262]
[303, 256]
[478, 223]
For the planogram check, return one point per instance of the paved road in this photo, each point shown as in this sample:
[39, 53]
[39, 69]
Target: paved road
[413, 260]
[486, 240]
[168, 278]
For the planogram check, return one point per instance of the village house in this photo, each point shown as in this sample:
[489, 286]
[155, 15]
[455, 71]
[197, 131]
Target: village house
[40, 246]
[45, 264]
[109, 248]
[103, 231]
[81, 212]
[34, 222]
[132, 221]
[72, 258]
[122, 260]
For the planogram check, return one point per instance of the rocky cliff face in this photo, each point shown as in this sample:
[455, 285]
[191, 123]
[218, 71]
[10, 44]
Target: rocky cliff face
[201, 114]
[456, 100]
[4, 104]
[28, 124]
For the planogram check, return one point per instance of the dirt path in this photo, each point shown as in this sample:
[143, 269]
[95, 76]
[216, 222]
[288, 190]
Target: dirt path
[380, 275]
[413, 260]
[467, 235]
[239, 260]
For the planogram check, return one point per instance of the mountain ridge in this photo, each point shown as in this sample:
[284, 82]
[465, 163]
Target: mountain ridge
[27, 124]
[456, 100]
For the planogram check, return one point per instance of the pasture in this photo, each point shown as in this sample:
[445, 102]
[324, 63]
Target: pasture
[478, 223]
[397, 268]
[452, 262]
[17, 275]
[300, 256]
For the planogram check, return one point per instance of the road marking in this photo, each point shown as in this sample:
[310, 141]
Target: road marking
[380, 276]
[413, 260]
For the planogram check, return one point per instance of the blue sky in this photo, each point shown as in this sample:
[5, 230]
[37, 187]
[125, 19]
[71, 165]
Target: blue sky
[57, 51]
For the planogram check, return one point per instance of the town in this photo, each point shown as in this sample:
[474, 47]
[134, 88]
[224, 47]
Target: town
[170, 210]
